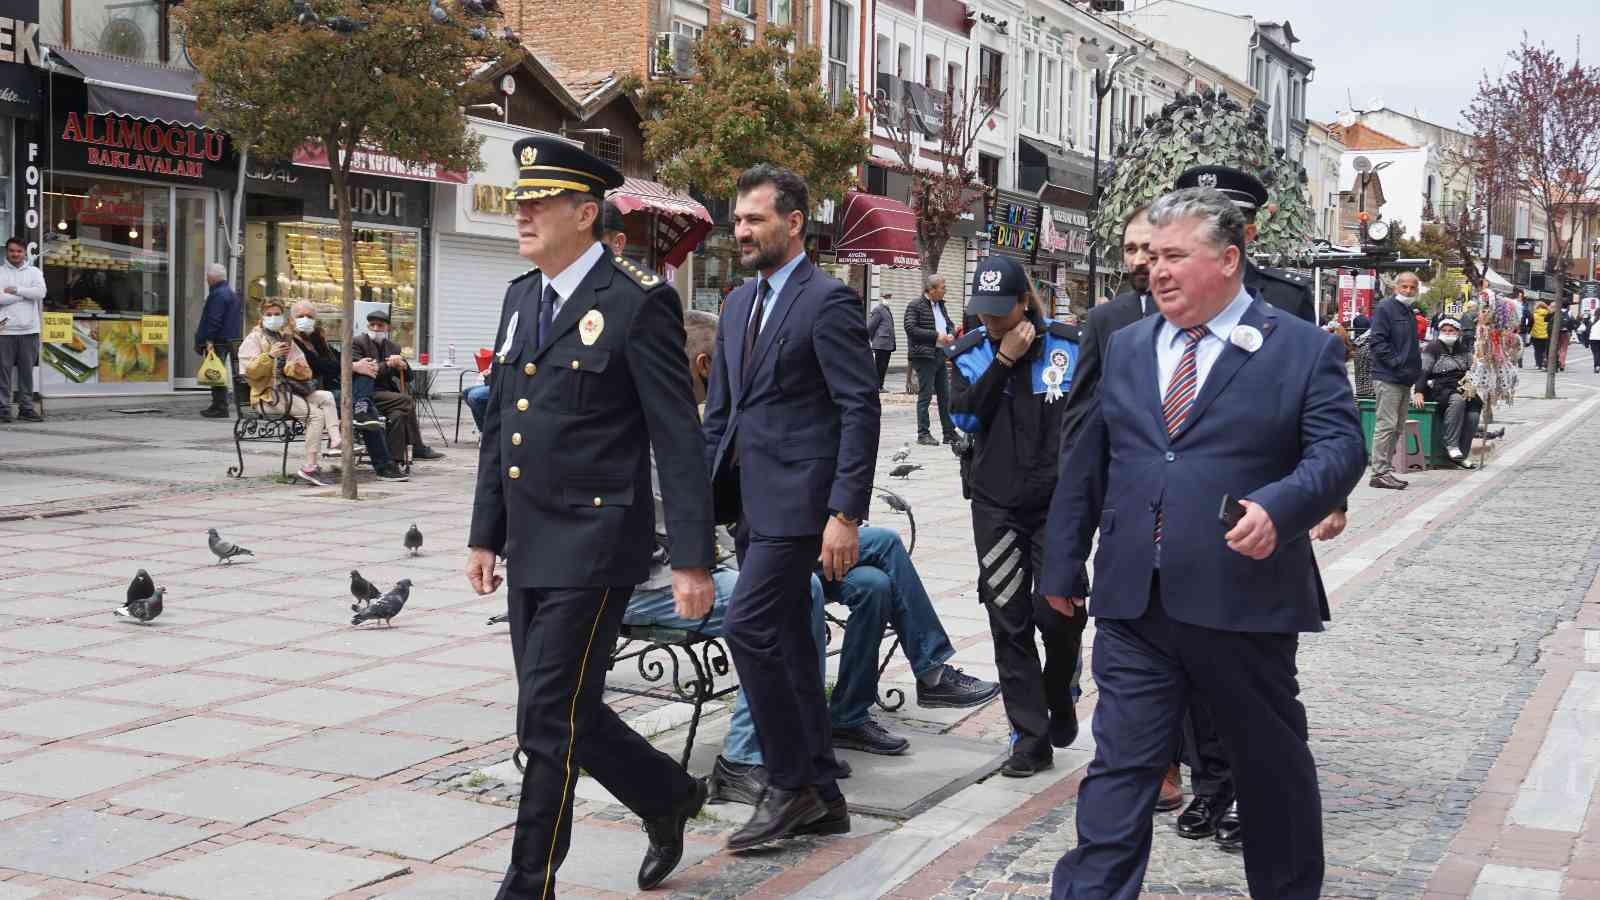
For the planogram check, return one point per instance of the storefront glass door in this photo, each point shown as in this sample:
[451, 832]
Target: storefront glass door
[191, 251]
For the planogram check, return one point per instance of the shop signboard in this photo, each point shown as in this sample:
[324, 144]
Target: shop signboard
[1589, 297]
[480, 206]
[1014, 225]
[57, 328]
[1347, 295]
[125, 147]
[369, 161]
[380, 201]
[153, 330]
[20, 58]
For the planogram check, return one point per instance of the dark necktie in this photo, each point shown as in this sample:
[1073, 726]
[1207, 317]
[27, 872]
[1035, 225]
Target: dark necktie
[547, 313]
[1181, 391]
[753, 329]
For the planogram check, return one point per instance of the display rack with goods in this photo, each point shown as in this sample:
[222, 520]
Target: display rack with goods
[295, 261]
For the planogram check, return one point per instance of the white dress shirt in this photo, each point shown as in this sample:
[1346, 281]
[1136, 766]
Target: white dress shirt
[1170, 341]
[567, 280]
[774, 288]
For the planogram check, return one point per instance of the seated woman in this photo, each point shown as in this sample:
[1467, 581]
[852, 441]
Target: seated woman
[324, 362]
[1445, 364]
[281, 381]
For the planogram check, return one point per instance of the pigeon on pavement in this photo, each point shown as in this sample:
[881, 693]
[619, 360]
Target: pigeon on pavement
[904, 470]
[903, 454]
[413, 539]
[500, 619]
[363, 590]
[386, 607]
[142, 611]
[141, 587]
[225, 550]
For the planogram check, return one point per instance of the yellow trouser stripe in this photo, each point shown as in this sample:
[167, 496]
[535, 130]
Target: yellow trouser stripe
[572, 740]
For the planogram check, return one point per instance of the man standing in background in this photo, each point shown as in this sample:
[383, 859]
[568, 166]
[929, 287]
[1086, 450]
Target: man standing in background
[928, 335]
[880, 334]
[21, 292]
[220, 322]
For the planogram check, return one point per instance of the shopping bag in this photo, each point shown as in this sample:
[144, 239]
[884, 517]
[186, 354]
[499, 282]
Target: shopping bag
[212, 373]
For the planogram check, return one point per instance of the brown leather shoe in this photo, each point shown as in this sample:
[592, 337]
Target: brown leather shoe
[1387, 482]
[1171, 791]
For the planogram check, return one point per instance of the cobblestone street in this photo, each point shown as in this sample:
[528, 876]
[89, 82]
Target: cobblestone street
[251, 743]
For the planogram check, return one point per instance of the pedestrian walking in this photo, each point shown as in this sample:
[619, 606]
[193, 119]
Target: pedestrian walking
[1221, 398]
[791, 433]
[880, 332]
[1594, 339]
[221, 324]
[929, 334]
[589, 381]
[1563, 338]
[1539, 331]
[22, 291]
[1396, 364]
[1011, 378]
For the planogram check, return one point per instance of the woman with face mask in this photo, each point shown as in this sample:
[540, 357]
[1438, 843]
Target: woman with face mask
[1445, 364]
[281, 380]
[324, 361]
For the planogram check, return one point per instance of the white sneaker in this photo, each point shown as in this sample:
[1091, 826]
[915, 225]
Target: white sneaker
[1454, 453]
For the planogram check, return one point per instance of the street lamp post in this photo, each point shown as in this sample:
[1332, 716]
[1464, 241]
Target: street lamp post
[1105, 66]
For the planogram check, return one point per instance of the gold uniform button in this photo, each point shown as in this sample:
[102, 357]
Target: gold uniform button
[516, 439]
[529, 369]
[514, 472]
[574, 364]
[522, 405]
[597, 501]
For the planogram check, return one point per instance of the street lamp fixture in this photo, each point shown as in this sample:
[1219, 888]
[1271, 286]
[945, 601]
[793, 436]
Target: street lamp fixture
[1105, 65]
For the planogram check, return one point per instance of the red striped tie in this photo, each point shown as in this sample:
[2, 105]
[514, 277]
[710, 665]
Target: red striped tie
[1181, 391]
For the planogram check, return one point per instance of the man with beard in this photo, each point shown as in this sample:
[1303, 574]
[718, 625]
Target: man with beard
[791, 436]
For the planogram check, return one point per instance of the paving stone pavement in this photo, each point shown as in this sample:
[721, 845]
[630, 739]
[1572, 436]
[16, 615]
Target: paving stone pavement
[250, 743]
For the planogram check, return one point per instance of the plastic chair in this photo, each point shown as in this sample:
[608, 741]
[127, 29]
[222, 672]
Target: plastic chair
[1409, 455]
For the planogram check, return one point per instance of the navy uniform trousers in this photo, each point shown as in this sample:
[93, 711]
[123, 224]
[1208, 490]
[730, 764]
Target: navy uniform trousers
[561, 644]
[1144, 668]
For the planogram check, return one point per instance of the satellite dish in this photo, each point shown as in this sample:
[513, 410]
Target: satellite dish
[1363, 165]
[1093, 57]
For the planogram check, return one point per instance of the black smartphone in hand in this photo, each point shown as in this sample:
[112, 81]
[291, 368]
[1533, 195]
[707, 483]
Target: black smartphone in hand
[1231, 512]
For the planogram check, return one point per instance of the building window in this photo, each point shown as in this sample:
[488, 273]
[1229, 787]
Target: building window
[839, 20]
[780, 12]
[930, 72]
[885, 55]
[1279, 113]
[1047, 99]
[991, 76]
[902, 69]
[1072, 104]
[989, 169]
[744, 8]
[1030, 85]
[132, 29]
[687, 29]
[953, 79]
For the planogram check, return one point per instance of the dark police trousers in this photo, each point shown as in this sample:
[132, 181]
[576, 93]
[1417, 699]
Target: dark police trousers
[561, 643]
[768, 630]
[1144, 669]
[1010, 550]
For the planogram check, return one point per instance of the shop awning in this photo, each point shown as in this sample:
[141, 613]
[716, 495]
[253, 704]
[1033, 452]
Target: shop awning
[681, 221]
[1496, 280]
[1061, 179]
[119, 87]
[878, 231]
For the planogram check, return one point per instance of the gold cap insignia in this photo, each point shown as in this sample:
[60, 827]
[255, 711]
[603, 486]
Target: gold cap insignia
[529, 156]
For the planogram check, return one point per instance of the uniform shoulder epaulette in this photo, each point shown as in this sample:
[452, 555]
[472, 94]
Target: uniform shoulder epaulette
[646, 280]
[532, 271]
[1065, 330]
[969, 340]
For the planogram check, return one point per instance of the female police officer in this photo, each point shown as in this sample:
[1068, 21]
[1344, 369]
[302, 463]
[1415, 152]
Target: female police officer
[1011, 376]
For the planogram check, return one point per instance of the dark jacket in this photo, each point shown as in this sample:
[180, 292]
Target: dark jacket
[364, 347]
[922, 330]
[1016, 430]
[1396, 358]
[880, 328]
[1443, 369]
[1125, 309]
[1284, 290]
[321, 357]
[221, 319]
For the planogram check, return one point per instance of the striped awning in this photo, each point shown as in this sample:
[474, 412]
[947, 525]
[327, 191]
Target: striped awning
[877, 230]
[681, 221]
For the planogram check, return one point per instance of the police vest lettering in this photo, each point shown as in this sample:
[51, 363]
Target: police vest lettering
[1051, 372]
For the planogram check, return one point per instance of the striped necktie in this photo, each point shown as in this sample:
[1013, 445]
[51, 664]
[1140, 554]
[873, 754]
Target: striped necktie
[1181, 391]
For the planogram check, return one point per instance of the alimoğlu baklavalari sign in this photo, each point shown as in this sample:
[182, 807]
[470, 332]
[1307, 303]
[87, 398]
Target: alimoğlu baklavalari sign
[144, 149]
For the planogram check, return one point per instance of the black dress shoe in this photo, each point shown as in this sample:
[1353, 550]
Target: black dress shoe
[927, 440]
[214, 412]
[780, 814]
[666, 838]
[956, 690]
[1021, 765]
[870, 737]
[29, 415]
[1387, 482]
[835, 821]
[1230, 834]
[732, 782]
[425, 453]
[1063, 728]
[1201, 818]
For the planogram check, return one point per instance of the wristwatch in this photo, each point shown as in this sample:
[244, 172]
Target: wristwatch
[847, 520]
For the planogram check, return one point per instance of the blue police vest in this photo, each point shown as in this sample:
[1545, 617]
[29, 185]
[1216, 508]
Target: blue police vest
[975, 360]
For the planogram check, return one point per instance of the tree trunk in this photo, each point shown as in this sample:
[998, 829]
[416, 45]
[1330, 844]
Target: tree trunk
[338, 163]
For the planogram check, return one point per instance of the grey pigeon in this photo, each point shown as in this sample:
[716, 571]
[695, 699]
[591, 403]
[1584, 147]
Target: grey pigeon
[363, 590]
[903, 454]
[501, 619]
[141, 587]
[142, 611]
[225, 550]
[413, 539]
[896, 502]
[902, 471]
[386, 607]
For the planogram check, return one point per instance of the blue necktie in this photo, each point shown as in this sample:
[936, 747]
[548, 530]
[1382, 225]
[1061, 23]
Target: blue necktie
[547, 313]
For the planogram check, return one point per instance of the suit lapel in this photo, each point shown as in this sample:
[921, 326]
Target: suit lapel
[1257, 315]
[1146, 371]
[797, 278]
[582, 300]
[736, 318]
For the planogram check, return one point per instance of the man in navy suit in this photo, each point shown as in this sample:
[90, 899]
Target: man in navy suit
[791, 429]
[1221, 396]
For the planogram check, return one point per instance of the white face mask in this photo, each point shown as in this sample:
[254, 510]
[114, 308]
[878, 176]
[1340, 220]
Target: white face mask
[377, 336]
[1449, 340]
[272, 323]
[305, 324]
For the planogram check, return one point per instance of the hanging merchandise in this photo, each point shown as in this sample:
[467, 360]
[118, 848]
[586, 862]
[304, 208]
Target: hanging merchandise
[1497, 352]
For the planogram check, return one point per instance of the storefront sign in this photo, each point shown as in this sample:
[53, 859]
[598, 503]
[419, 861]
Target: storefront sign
[491, 199]
[1014, 227]
[125, 147]
[32, 195]
[20, 59]
[375, 162]
[153, 330]
[380, 201]
[1347, 295]
[57, 328]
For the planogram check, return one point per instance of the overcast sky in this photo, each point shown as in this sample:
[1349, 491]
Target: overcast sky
[1416, 56]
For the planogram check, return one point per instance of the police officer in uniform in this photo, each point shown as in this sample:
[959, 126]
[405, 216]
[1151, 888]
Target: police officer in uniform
[1008, 390]
[1285, 290]
[589, 377]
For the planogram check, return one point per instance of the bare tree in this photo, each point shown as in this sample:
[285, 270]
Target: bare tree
[1537, 132]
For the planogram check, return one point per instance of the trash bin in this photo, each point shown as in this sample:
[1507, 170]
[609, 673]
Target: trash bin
[1428, 425]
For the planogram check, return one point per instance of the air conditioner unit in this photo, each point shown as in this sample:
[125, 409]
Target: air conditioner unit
[674, 55]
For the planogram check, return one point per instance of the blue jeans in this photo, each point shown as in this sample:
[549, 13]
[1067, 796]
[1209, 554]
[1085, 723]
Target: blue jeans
[477, 400]
[655, 607]
[883, 587]
[361, 388]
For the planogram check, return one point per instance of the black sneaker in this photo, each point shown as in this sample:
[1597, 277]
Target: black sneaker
[29, 415]
[5, 416]
[870, 737]
[214, 412]
[425, 453]
[956, 690]
[927, 440]
[1021, 765]
[362, 418]
[392, 473]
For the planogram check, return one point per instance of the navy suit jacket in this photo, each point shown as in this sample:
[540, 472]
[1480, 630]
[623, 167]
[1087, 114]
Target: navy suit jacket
[1277, 426]
[803, 421]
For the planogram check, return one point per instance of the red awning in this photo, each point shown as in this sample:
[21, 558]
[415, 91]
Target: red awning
[877, 230]
[681, 222]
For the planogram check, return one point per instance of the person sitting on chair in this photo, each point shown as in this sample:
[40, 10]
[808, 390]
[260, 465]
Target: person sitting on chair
[390, 390]
[1445, 364]
[324, 361]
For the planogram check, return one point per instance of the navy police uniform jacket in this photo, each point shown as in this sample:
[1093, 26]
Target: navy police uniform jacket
[1012, 413]
[1284, 290]
[563, 488]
